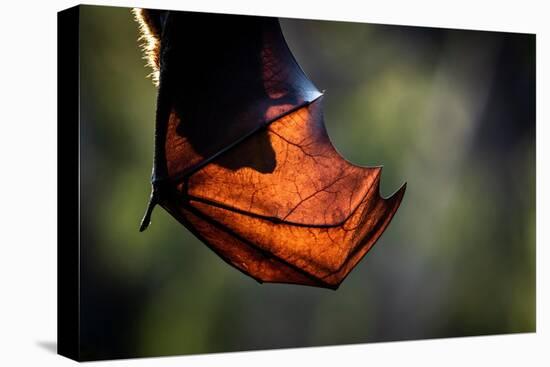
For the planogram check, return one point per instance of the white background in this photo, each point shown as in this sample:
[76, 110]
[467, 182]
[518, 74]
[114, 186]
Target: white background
[28, 143]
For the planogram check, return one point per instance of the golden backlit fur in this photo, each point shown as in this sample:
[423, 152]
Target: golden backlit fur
[150, 30]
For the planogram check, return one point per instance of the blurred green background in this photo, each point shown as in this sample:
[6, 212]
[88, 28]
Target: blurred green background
[450, 112]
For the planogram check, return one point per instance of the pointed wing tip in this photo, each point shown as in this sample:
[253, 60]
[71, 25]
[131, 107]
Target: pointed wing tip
[393, 201]
[402, 189]
[397, 195]
[396, 198]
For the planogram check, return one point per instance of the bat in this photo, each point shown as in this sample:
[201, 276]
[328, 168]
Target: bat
[242, 157]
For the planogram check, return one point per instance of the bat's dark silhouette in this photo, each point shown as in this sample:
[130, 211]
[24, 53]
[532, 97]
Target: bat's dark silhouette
[242, 157]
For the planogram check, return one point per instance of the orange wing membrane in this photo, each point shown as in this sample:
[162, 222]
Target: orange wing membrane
[243, 159]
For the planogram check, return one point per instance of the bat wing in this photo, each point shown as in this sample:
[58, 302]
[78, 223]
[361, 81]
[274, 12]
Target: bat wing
[243, 159]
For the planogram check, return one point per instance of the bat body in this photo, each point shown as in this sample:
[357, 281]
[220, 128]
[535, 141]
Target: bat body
[242, 156]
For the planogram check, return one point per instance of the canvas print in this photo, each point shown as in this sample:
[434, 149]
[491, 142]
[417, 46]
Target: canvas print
[252, 182]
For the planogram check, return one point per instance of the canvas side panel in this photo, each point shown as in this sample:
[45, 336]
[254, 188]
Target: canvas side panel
[68, 212]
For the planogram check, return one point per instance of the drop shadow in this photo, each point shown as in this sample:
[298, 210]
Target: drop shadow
[50, 346]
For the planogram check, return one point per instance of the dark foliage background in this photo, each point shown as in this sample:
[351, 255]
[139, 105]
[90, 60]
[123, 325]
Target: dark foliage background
[450, 112]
